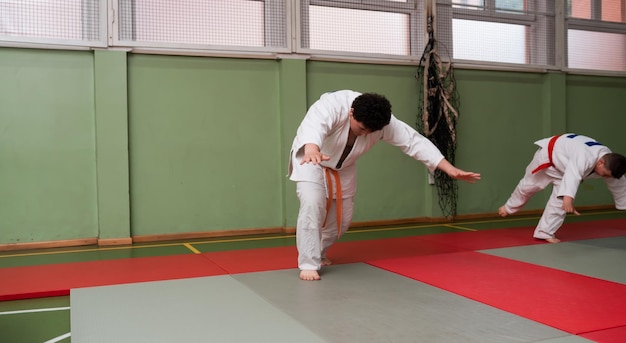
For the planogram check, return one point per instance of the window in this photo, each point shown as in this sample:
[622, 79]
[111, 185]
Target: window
[596, 34]
[201, 24]
[501, 31]
[587, 35]
[66, 22]
[391, 28]
[497, 42]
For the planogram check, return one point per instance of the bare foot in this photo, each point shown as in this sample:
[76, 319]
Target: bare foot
[552, 240]
[502, 212]
[309, 275]
[326, 261]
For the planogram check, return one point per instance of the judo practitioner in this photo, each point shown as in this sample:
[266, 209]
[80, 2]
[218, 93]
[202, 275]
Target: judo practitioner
[565, 161]
[337, 129]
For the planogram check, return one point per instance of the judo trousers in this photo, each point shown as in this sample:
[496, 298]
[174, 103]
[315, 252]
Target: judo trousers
[313, 238]
[553, 214]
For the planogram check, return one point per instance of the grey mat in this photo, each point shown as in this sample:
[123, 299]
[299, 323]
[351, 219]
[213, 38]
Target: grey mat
[209, 309]
[611, 242]
[600, 258]
[360, 303]
[353, 303]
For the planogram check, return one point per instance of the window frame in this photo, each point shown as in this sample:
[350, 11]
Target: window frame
[535, 19]
[417, 30]
[204, 49]
[595, 24]
[59, 43]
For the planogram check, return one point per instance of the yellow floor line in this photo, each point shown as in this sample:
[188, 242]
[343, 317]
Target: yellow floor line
[244, 239]
[190, 247]
[394, 228]
[460, 228]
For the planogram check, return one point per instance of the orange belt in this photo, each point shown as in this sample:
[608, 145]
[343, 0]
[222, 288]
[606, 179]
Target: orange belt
[328, 172]
[550, 149]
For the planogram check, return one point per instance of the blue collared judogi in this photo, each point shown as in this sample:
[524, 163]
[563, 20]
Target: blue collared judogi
[563, 161]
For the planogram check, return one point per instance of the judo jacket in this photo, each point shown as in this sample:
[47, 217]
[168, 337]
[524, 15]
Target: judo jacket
[327, 124]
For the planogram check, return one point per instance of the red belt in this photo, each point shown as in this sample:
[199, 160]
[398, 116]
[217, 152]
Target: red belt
[550, 149]
[329, 182]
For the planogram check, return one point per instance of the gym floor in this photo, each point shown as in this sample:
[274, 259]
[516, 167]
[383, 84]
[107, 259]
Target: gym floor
[468, 281]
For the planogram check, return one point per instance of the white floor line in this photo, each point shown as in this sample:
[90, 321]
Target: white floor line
[60, 338]
[36, 310]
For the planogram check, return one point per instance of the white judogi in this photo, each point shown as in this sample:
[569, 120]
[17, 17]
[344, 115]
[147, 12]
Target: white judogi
[573, 160]
[327, 124]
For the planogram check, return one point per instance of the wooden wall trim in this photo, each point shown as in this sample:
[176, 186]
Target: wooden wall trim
[48, 244]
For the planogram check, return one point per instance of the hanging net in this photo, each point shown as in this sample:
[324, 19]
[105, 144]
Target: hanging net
[438, 115]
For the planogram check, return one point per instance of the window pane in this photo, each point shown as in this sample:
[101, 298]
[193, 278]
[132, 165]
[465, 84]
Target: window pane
[579, 9]
[197, 22]
[201, 22]
[510, 5]
[353, 30]
[614, 10]
[501, 5]
[506, 31]
[605, 10]
[487, 41]
[471, 4]
[596, 50]
[72, 20]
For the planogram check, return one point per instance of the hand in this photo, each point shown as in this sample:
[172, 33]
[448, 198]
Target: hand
[469, 177]
[313, 155]
[502, 211]
[568, 205]
[457, 173]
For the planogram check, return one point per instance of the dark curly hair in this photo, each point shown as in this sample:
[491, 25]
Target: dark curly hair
[372, 110]
[615, 163]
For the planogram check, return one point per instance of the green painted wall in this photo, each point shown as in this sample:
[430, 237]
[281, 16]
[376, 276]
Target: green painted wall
[111, 145]
[111, 105]
[204, 138]
[293, 105]
[500, 117]
[47, 146]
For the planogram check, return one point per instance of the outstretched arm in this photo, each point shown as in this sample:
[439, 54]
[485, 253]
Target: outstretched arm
[457, 173]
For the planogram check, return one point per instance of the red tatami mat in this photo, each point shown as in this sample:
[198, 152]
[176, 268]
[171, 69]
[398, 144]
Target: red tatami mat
[617, 224]
[245, 261]
[614, 335]
[359, 251]
[254, 260]
[57, 279]
[519, 236]
[566, 301]
[485, 239]
[590, 230]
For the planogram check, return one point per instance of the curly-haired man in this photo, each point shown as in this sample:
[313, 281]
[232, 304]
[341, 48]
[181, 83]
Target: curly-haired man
[337, 129]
